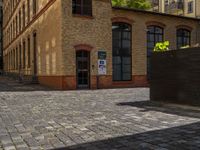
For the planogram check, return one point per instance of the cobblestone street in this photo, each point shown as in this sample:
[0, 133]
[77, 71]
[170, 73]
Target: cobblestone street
[34, 117]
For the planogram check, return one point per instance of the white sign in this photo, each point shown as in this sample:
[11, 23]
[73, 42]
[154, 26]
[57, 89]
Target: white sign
[102, 67]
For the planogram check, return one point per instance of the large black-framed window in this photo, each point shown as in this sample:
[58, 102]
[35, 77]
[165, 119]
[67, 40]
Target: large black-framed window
[183, 38]
[82, 7]
[155, 34]
[122, 51]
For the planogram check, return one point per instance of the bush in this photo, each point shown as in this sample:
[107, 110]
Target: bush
[161, 46]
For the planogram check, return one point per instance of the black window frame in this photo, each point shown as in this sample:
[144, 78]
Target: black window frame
[183, 37]
[155, 36]
[155, 40]
[83, 10]
[190, 7]
[121, 53]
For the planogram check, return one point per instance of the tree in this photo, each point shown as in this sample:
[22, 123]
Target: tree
[121, 3]
[139, 4]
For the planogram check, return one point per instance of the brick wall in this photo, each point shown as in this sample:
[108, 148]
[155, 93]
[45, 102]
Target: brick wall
[175, 76]
[59, 32]
[47, 24]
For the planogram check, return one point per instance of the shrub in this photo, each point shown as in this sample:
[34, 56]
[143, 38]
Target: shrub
[161, 46]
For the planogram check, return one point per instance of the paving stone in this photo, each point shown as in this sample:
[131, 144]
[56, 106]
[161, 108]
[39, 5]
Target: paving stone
[111, 119]
[9, 148]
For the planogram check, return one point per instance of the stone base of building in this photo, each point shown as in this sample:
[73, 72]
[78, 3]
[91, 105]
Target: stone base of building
[29, 79]
[101, 82]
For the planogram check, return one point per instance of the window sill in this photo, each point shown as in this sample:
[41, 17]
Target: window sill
[83, 16]
[123, 82]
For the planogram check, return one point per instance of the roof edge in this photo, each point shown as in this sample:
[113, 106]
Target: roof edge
[154, 13]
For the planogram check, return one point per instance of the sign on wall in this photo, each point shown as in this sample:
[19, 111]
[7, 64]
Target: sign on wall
[102, 64]
[102, 55]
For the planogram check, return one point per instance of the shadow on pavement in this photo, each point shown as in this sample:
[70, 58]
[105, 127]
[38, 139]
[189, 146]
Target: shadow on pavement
[185, 137]
[10, 85]
[179, 110]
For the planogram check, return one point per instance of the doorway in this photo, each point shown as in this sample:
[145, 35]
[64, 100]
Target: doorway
[83, 69]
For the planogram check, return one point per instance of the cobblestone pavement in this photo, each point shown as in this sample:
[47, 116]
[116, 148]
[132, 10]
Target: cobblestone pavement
[33, 117]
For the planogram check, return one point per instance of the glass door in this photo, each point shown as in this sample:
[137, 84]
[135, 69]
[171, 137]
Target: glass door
[83, 69]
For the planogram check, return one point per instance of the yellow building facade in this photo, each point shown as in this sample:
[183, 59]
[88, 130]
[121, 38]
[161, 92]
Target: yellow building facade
[75, 44]
[189, 8]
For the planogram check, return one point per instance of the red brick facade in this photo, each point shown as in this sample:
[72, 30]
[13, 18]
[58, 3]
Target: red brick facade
[69, 82]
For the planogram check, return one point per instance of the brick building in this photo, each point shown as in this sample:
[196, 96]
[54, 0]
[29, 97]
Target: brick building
[1, 36]
[70, 44]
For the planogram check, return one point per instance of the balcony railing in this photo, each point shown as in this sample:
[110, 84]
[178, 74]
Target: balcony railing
[174, 7]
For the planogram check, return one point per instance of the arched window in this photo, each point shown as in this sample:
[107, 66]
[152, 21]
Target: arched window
[82, 7]
[122, 52]
[155, 34]
[183, 37]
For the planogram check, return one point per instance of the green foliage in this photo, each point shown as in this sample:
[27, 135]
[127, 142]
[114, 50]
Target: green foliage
[121, 3]
[162, 46]
[139, 4]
